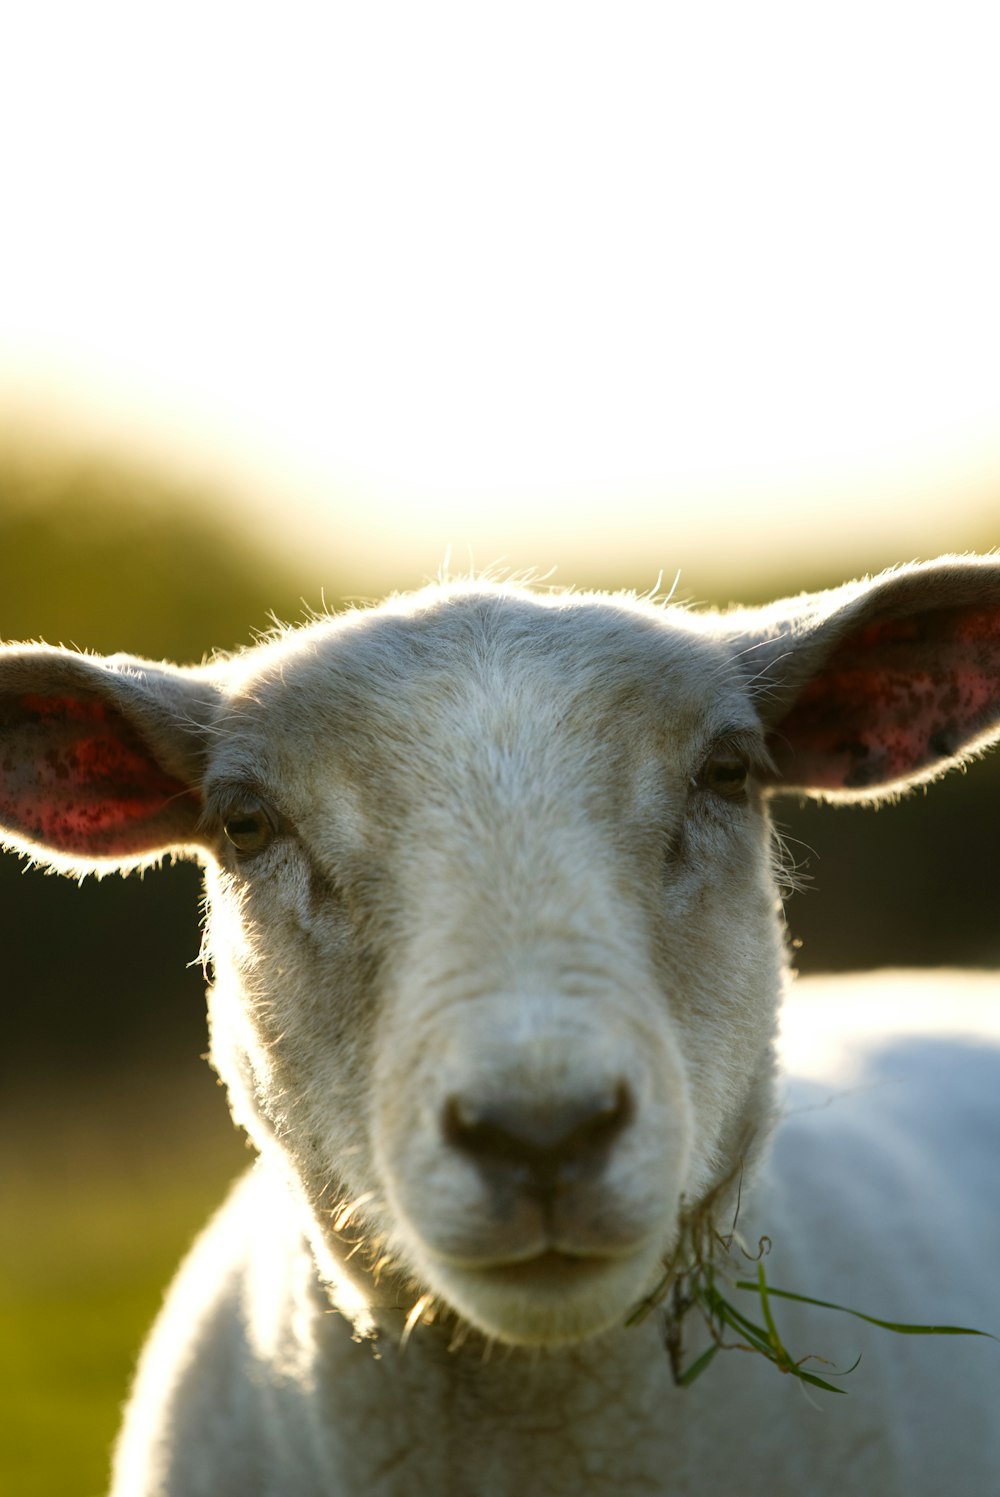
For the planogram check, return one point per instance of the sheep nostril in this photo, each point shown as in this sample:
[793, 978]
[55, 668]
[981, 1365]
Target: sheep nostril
[552, 1140]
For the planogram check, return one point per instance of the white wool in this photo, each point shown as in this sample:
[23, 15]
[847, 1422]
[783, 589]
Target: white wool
[498, 975]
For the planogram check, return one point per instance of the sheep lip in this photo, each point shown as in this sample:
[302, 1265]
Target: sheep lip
[549, 1267]
[545, 1256]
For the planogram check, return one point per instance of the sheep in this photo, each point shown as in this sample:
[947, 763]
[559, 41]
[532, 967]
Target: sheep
[497, 966]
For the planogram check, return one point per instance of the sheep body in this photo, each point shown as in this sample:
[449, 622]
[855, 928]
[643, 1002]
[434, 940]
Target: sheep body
[497, 981]
[883, 1124]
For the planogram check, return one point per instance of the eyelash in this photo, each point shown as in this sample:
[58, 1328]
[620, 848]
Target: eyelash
[249, 824]
[725, 771]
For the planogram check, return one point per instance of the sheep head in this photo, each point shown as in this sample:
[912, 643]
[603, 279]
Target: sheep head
[492, 913]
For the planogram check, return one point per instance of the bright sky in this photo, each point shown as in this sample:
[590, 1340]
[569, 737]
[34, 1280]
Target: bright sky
[654, 279]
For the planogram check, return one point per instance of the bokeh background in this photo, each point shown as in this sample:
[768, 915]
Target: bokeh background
[302, 303]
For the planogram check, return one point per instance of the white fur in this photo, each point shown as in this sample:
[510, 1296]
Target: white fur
[500, 890]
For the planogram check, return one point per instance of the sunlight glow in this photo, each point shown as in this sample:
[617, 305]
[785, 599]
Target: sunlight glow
[457, 274]
[827, 1031]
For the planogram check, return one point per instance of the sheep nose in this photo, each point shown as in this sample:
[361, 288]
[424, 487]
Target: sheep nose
[546, 1144]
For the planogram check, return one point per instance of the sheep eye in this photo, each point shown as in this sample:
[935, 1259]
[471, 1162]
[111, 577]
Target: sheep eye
[250, 828]
[725, 772]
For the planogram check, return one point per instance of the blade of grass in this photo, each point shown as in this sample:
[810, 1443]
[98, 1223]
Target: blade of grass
[902, 1328]
[772, 1329]
[766, 1341]
[783, 1357]
[698, 1366]
[648, 1305]
[728, 1315]
[817, 1382]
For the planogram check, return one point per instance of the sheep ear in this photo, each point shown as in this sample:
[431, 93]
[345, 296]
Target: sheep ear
[882, 684]
[100, 760]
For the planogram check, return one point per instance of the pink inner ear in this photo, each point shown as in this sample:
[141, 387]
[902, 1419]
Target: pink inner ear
[894, 700]
[76, 778]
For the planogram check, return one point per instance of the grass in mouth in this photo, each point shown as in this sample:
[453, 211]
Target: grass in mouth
[701, 1263]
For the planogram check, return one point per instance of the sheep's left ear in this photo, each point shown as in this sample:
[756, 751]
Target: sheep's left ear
[881, 684]
[100, 759]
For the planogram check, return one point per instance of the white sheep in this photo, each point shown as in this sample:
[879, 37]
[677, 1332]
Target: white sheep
[498, 965]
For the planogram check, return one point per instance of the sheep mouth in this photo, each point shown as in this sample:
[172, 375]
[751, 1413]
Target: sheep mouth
[549, 1298]
[549, 1268]
[544, 1253]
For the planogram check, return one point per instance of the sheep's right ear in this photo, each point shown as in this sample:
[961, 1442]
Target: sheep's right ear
[100, 759]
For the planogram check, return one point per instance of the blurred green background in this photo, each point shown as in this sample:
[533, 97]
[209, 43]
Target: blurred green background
[114, 1137]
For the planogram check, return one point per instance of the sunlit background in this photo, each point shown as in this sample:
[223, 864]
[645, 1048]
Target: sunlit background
[302, 302]
[593, 286]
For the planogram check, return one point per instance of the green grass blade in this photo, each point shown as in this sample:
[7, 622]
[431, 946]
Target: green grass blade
[655, 1296]
[817, 1382]
[760, 1341]
[698, 1366]
[728, 1315]
[783, 1358]
[772, 1329]
[902, 1328]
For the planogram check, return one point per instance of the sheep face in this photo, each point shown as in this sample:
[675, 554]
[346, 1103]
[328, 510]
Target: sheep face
[496, 948]
[493, 926]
